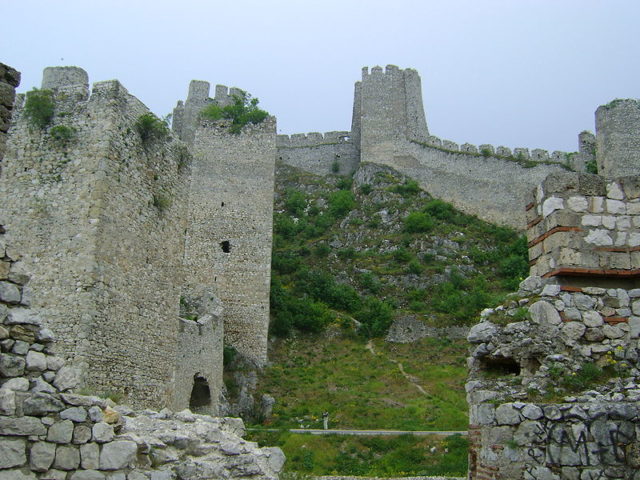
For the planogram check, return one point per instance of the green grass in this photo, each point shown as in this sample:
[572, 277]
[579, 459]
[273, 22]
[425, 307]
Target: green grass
[404, 455]
[360, 390]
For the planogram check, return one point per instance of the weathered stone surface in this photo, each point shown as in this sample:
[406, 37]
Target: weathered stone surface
[7, 402]
[19, 384]
[12, 452]
[81, 434]
[102, 432]
[36, 361]
[67, 378]
[592, 318]
[9, 293]
[544, 313]
[90, 456]
[532, 412]
[41, 456]
[481, 332]
[42, 404]
[16, 475]
[23, 426]
[67, 457]
[117, 455]
[506, 414]
[75, 414]
[12, 365]
[61, 432]
[89, 475]
[573, 330]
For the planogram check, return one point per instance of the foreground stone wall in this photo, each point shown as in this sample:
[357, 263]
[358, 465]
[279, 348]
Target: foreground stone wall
[529, 419]
[585, 225]
[48, 432]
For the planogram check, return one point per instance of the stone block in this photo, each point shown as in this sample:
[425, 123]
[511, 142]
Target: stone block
[7, 402]
[631, 187]
[40, 404]
[90, 456]
[9, 293]
[596, 205]
[61, 432]
[22, 426]
[614, 191]
[599, 237]
[67, 457]
[41, 456]
[67, 378]
[81, 434]
[543, 313]
[12, 365]
[117, 455]
[578, 203]
[591, 319]
[552, 204]
[17, 475]
[36, 361]
[75, 414]
[615, 207]
[102, 432]
[507, 414]
[573, 331]
[12, 452]
[89, 475]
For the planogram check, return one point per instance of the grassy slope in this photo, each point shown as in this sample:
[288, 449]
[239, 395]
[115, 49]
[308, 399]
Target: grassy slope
[442, 275]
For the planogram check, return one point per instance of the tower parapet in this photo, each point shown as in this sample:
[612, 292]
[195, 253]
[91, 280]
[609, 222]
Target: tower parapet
[617, 138]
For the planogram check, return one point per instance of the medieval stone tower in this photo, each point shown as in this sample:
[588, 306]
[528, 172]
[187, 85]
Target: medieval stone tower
[131, 245]
[228, 241]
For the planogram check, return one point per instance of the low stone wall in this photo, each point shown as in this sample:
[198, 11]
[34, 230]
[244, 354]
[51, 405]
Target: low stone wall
[48, 432]
[410, 329]
[525, 420]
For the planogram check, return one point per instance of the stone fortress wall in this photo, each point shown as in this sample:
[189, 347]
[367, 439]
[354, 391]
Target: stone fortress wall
[98, 221]
[228, 241]
[389, 127]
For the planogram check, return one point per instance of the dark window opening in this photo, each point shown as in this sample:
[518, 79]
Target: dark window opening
[226, 246]
[500, 366]
[200, 395]
[222, 204]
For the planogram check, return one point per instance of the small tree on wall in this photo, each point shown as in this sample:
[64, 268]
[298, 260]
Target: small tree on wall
[242, 111]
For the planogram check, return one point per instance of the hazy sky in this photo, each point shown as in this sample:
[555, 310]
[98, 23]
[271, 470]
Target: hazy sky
[520, 73]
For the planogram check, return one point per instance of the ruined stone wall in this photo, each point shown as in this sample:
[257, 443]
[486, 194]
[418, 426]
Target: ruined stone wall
[534, 412]
[48, 432]
[228, 245]
[322, 154]
[99, 220]
[583, 225]
[9, 81]
[617, 138]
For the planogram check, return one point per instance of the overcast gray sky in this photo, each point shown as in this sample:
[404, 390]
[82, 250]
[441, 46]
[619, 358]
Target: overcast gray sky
[520, 73]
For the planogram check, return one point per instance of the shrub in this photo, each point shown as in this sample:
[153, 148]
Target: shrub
[345, 183]
[418, 222]
[321, 250]
[150, 128]
[375, 317]
[341, 203]
[229, 352]
[591, 167]
[407, 189]
[365, 189]
[161, 202]
[244, 110]
[335, 166]
[402, 255]
[370, 282]
[415, 267]
[295, 202]
[62, 134]
[39, 107]
[440, 210]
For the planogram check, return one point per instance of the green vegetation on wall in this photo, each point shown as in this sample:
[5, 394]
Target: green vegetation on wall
[244, 110]
[150, 128]
[39, 107]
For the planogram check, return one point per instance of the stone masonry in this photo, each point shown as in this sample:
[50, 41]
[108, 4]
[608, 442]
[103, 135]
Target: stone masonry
[99, 221]
[389, 128]
[48, 432]
[228, 241]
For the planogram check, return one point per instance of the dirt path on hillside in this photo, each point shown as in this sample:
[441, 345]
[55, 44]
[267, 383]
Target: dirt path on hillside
[410, 378]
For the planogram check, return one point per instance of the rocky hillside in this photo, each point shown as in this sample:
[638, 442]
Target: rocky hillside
[373, 248]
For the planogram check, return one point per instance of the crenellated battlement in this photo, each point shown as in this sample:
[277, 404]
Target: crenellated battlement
[312, 139]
